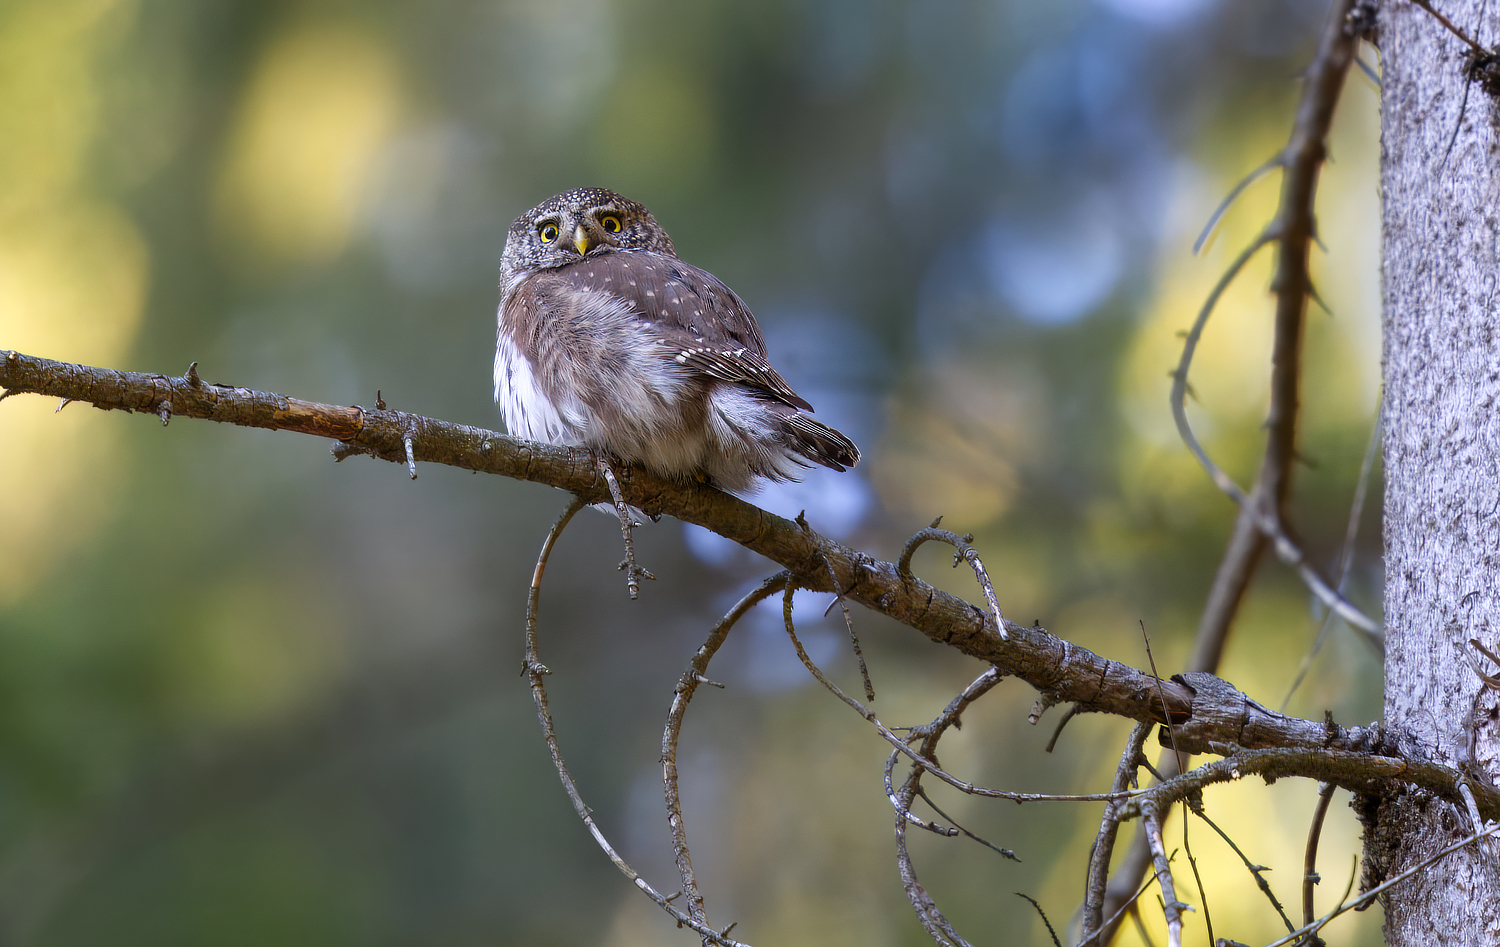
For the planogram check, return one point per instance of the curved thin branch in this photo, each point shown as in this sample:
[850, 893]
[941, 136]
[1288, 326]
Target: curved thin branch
[1268, 523]
[1310, 855]
[536, 671]
[686, 687]
[1276, 161]
[966, 553]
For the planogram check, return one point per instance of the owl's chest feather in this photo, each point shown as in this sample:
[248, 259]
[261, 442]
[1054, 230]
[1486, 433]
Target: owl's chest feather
[580, 367]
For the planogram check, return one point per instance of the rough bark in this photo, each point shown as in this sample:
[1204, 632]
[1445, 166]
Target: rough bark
[1441, 190]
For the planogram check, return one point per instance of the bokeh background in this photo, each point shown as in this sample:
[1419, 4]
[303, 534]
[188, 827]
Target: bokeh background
[249, 696]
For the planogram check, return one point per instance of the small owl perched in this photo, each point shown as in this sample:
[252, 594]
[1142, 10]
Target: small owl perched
[609, 341]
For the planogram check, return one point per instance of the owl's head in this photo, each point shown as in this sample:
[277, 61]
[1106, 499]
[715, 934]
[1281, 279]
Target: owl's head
[578, 223]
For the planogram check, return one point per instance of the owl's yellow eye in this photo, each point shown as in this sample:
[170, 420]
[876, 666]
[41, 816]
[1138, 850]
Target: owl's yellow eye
[548, 232]
[610, 223]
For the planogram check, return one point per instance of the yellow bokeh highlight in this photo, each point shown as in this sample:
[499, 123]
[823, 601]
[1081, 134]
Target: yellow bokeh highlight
[950, 440]
[1229, 380]
[48, 105]
[73, 277]
[72, 283]
[321, 104]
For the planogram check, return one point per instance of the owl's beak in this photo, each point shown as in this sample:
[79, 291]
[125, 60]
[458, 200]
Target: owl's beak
[580, 240]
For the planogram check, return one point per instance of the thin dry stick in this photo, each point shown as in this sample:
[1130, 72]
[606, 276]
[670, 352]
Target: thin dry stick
[1109, 827]
[1378, 890]
[1171, 734]
[1278, 160]
[966, 553]
[1005, 853]
[1310, 857]
[838, 599]
[1171, 907]
[1258, 872]
[1475, 47]
[1056, 942]
[536, 671]
[901, 746]
[686, 687]
[1208, 916]
[1346, 555]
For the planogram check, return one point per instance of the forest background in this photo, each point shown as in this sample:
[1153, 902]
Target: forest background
[250, 696]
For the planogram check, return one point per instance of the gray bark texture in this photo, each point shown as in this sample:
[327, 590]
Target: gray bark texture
[1441, 194]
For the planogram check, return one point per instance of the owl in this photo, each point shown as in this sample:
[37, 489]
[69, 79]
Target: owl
[609, 341]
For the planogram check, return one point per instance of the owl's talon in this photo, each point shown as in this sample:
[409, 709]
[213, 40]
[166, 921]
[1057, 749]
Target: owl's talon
[639, 572]
[633, 572]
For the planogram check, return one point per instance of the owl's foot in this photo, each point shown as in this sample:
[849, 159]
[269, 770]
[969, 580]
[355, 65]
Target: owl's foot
[633, 572]
[626, 564]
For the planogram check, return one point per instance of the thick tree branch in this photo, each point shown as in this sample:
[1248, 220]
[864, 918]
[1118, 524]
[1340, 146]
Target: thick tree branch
[1061, 671]
[1209, 714]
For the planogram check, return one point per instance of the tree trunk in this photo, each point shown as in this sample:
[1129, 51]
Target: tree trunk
[1441, 190]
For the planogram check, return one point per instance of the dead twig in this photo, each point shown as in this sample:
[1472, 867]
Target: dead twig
[1369, 896]
[1450, 27]
[1171, 907]
[1258, 872]
[1310, 858]
[536, 671]
[1109, 827]
[686, 687]
[838, 599]
[966, 553]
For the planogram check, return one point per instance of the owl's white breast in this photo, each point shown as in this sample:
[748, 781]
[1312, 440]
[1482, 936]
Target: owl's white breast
[529, 413]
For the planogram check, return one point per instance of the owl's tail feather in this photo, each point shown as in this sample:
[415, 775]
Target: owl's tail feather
[818, 442]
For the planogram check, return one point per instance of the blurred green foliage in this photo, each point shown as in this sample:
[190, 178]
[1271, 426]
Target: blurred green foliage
[251, 697]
